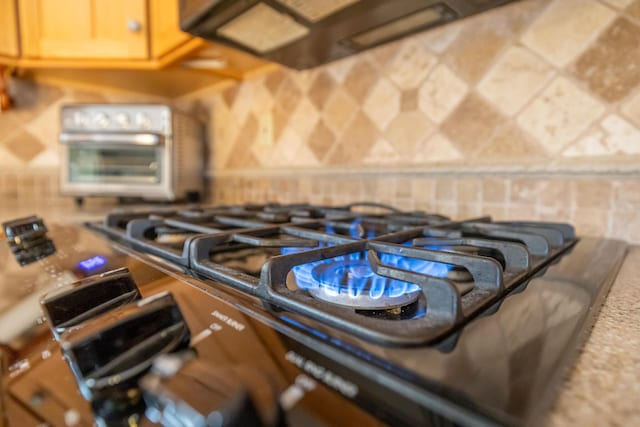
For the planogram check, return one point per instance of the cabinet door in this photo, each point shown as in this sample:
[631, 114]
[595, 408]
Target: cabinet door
[8, 28]
[165, 27]
[77, 29]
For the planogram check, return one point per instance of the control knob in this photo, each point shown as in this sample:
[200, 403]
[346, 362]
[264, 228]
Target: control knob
[109, 353]
[80, 301]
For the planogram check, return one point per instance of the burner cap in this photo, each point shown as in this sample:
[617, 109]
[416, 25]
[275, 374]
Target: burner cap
[352, 283]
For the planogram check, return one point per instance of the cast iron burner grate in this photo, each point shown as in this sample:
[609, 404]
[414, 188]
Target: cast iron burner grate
[395, 278]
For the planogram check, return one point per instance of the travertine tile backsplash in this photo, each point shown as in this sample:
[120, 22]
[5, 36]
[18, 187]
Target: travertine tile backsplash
[539, 84]
[529, 111]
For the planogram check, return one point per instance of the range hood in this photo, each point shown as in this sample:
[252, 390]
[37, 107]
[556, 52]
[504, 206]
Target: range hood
[304, 33]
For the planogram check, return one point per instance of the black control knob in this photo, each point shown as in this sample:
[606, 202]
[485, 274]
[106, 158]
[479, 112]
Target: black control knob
[199, 394]
[109, 353]
[27, 238]
[75, 303]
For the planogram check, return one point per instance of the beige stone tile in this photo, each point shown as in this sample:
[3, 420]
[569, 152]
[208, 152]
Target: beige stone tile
[626, 195]
[525, 191]
[274, 79]
[23, 145]
[340, 69]
[361, 79]
[593, 193]
[469, 210]
[288, 96]
[407, 131]
[355, 143]
[262, 100]
[625, 225]
[340, 108]
[471, 124]
[514, 80]
[610, 66]
[321, 88]
[497, 211]
[634, 10]
[440, 38]
[382, 153]
[437, 149]
[441, 93]
[321, 140]
[445, 190]
[510, 144]
[409, 100]
[409, 65]
[566, 28]
[87, 97]
[8, 160]
[559, 114]
[632, 109]
[591, 221]
[614, 136]
[521, 212]
[46, 126]
[229, 95]
[241, 155]
[556, 196]
[382, 104]
[470, 190]
[49, 158]
[304, 118]
[619, 4]
[305, 157]
[494, 190]
[225, 131]
[482, 38]
[287, 147]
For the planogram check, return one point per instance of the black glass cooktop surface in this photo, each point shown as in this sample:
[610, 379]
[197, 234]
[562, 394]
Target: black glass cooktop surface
[389, 317]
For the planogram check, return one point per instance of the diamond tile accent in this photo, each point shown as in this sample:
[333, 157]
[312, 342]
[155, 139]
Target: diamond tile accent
[340, 68]
[510, 144]
[514, 80]
[615, 136]
[304, 119]
[288, 145]
[439, 39]
[382, 153]
[321, 140]
[241, 156]
[262, 99]
[228, 132]
[23, 145]
[559, 115]
[382, 104]
[438, 149]
[410, 65]
[634, 10]
[407, 131]
[356, 141]
[7, 159]
[273, 80]
[288, 95]
[409, 100]
[472, 124]
[361, 79]
[340, 108]
[565, 29]
[611, 66]
[321, 88]
[243, 103]
[441, 93]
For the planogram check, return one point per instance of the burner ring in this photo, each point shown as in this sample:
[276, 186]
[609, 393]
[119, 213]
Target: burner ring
[371, 292]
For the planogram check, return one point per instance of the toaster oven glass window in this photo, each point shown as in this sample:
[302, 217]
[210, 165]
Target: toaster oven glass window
[121, 165]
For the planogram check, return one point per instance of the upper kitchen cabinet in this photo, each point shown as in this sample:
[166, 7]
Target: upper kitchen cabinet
[8, 29]
[84, 29]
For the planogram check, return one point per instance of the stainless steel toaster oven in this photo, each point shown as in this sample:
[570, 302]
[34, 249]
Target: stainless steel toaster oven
[148, 151]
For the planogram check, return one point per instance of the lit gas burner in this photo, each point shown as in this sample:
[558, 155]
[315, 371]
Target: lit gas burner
[350, 281]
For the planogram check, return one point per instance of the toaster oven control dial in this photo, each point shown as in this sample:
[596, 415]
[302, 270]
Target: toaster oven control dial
[108, 354]
[123, 121]
[80, 301]
[101, 120]
[143, 121]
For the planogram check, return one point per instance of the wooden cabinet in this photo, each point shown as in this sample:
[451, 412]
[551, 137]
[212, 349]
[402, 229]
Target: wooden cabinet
[89, 29]
[8, 28]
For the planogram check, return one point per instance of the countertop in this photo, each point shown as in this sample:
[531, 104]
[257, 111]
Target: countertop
[603, 387]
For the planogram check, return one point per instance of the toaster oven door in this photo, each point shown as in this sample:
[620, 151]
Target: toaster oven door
[119, 163]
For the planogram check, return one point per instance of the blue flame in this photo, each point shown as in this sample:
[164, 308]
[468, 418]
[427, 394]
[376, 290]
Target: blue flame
[352, 274]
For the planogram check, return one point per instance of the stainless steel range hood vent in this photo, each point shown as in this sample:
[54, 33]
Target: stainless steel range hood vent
[305, 33]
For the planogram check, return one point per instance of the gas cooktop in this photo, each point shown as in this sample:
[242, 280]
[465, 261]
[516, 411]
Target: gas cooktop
[307, 315]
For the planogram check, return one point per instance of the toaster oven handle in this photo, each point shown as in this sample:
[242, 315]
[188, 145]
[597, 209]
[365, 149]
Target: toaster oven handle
[138, 138]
